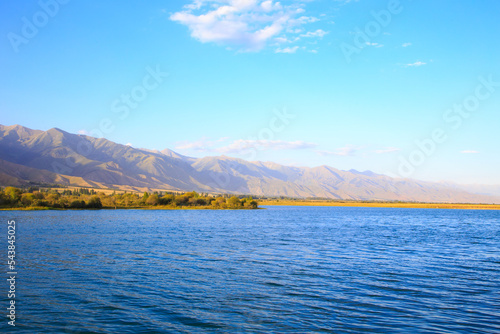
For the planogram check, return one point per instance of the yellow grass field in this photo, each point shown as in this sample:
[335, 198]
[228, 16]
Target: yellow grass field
[381, 204]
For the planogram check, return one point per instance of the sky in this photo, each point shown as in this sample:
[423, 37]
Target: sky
[402, 88]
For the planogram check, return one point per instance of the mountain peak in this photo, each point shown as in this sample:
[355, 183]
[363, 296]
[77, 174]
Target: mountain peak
[18, 131]
[365, 173]
[172, 154]
[57, 130]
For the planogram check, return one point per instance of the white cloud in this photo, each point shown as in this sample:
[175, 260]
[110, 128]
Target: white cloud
[268, 6]
[345, 2]
[318, 33]
[128, 144]
[281, 40]
[416, 64]
[246, 24]
[406, 45]
[222, 145]
[287, 50]
[303, 20]
[387, 150]
[83, 132]
[377, 45]
[469, 152]
[348, 150]
[242, 145]
[203, 145]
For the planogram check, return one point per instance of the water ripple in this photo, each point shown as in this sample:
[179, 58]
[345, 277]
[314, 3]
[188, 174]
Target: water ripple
[294, 270]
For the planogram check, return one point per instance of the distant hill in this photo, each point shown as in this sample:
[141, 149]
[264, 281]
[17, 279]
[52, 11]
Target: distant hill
[56, 156]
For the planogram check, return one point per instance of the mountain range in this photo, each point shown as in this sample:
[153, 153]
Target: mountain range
[57, 157]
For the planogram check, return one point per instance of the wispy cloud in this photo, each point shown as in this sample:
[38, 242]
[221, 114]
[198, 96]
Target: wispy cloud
[242, 145]
[248, 25]
[223, 145]
[348, 150]
[469, 152]
[345, 2]
[83, 132]
[287, 50]
[406, 45]
[376, 45]
[318, 33]
[202, 145]
[387, 150]
[416, 64]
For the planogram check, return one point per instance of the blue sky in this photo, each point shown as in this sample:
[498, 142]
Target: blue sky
[405, 88]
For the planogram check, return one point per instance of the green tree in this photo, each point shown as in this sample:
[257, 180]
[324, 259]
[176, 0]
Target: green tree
[39, 202]
[201, 201]
[220, 201]
[13, 194]
[152, 200]
[192, 194]
[3, 198]
[167, 199]
[249, 203]
[234, 202]
[77, 204]
[181, 200]
[27, 199]
[52, 198]
[38, 195]
[94, 203]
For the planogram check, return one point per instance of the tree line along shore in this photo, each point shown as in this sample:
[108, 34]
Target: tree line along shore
[35, 198]
[54, 197]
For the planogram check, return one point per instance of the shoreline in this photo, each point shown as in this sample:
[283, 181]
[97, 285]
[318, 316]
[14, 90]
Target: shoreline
[447, 206]
[454, 206]
[131, 208]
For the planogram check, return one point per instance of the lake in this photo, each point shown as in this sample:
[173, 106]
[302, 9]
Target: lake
[279, 270]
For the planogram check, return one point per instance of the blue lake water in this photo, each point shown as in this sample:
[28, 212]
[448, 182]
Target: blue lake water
[279, 270]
